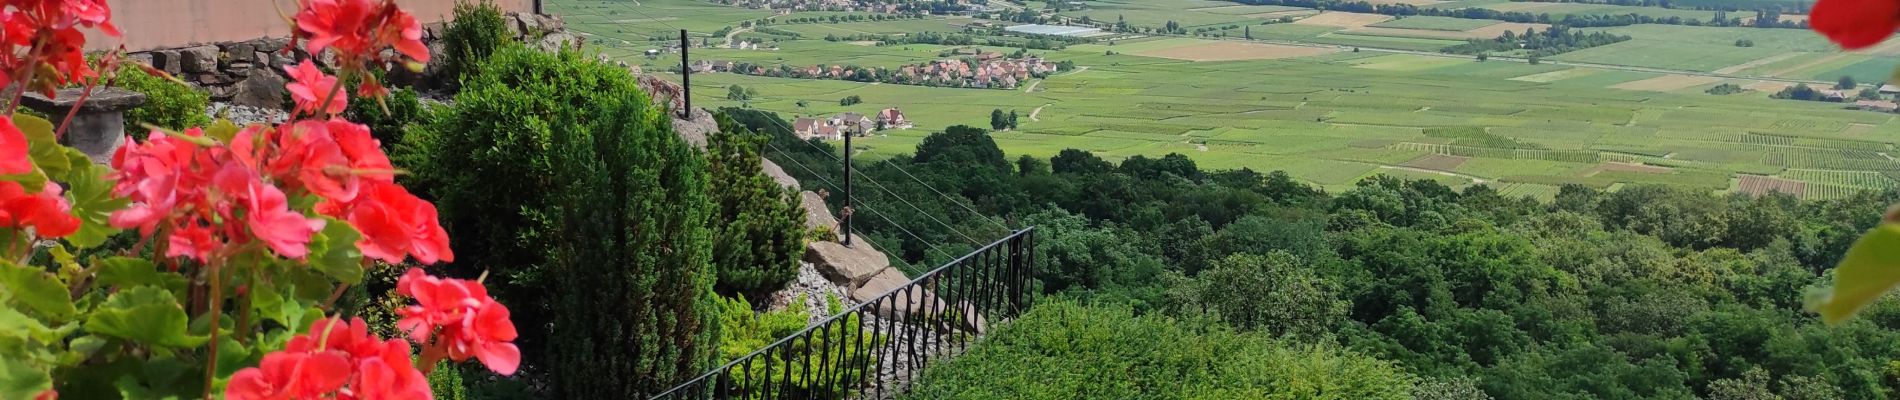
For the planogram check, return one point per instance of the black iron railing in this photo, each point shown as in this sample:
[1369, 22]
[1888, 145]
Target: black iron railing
[875, 348]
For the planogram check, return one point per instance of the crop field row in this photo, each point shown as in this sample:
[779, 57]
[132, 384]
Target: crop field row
[1332, 118]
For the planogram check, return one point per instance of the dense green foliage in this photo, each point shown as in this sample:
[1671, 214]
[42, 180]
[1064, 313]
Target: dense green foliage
[478, 30]
[555, 173]
[168, 104]
[1644, 292]
[758, 225]
[1066, 350]
[743, 331]
[389, 119]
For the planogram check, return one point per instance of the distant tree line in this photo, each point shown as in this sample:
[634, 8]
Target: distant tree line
[1557, 39]
[1038, 42]
[1795, 7]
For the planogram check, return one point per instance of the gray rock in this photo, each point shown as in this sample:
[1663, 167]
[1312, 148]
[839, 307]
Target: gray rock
[529, 24]
[199, 59]
[847, 264]
[241, 52]
[557, 41]
[696, 130]
[261, 87]
[141, 58]
[169, 61]
[778, 174]
[105, 99]
[554, 23]
[817, 213]
[245, 115]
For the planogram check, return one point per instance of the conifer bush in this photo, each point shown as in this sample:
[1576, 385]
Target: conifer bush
[759, 225]
[587, 210]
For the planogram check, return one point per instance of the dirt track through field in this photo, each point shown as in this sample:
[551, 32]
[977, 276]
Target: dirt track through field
[1667, 83]
[1756, 63]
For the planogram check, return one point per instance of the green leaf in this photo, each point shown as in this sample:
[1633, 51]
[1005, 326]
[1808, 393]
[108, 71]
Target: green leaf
[129, 272]
[20, 380]
[38, 291]
[1870, 268]
[42, 145]
[144, 314]
[334, 252]
[233, 356]
[13, 323]
[223, 130]
[93, 203]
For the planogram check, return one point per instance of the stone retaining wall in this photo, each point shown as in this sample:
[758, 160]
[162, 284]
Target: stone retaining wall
[251, 72]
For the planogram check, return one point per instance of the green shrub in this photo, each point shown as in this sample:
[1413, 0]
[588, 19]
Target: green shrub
[446, 382]
[167, 104]
[1275, 293]
[743, 331]
[478, 30]
[758, 225]
[1066, 350]
[555, 173]
[404, 109]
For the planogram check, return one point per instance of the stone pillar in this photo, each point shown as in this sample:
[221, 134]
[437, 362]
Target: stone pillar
[99, 128]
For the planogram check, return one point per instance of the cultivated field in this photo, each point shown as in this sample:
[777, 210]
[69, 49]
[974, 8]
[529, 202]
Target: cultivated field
[1342, 19]
[1331, 116]
[1230, 51]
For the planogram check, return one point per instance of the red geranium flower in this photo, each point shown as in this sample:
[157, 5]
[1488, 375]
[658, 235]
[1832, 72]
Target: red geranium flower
[311, 88]
[13, 151]
[1855, 24]
[47, 212]
[396, 224]
[466, 321]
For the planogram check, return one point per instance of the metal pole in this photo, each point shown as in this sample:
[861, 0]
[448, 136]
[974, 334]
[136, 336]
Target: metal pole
[847, 187]
[686, 80]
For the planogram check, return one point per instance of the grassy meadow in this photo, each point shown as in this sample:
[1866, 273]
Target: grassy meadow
[1334, 118]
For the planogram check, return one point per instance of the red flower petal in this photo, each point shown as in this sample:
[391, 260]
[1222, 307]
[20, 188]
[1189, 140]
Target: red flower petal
[1856, 24]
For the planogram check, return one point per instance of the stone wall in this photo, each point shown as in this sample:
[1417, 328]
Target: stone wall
[165, 24]
[251, 72]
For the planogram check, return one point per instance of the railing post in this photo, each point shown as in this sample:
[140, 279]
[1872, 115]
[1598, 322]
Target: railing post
[846, 220]
[686, 80]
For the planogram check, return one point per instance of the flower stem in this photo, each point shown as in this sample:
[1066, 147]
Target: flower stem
[215, 309]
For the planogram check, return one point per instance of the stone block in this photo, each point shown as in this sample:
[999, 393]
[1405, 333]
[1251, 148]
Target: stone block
[169, 61]
[846, 264]
[199, 59]
[240, 52]
[261, 87]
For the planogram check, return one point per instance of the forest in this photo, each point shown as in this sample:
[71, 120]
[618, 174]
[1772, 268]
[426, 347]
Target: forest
[1644, 292]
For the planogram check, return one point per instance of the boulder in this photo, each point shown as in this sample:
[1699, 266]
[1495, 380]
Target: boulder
[168, 61]
[816, 212]
[778, 174]
[846, 264]
[528, 24]
[695, 130]
[553, 23]
[557, 41]
[262, 88]
[199, 59]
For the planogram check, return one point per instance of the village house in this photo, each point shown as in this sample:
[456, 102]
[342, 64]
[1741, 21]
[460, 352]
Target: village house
[853, 123]
[1877, 105]
[813, 128]
[892, 118]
